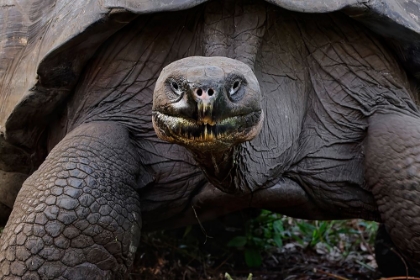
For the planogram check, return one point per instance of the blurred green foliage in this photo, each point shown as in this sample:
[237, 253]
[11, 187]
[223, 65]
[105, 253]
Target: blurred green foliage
[261, 234]
[270, 230]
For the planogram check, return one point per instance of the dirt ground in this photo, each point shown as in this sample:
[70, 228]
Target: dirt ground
[295, 264]
[170, 256]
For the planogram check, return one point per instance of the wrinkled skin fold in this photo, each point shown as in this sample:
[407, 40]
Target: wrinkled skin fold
[338, 138]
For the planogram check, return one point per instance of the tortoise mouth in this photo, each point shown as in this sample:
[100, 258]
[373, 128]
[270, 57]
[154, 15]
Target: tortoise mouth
[233, 129]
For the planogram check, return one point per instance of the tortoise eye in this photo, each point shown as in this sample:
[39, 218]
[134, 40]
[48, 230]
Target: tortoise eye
[176, 87]
[235, 87]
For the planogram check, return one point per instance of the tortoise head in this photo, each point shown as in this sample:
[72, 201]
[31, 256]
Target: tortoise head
[207, 103]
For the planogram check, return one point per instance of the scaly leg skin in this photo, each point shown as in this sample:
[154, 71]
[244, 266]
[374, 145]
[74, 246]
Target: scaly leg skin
[392, 165]
[78, 216]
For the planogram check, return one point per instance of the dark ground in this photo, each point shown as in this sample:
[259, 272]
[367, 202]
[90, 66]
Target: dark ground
[182, 254]
[290, 264]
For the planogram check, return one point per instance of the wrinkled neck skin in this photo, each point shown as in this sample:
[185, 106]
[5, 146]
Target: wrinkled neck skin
[220, 167]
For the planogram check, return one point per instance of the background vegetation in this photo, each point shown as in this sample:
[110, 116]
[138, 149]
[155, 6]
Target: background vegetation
[268, 245]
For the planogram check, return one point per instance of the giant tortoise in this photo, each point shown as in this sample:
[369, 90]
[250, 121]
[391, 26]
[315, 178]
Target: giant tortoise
[307, 108]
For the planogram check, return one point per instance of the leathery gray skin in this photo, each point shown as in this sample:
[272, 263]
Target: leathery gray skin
[339, 137]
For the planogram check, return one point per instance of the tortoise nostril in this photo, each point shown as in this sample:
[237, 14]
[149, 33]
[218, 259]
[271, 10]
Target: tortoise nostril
[199, 92]
[210, 92]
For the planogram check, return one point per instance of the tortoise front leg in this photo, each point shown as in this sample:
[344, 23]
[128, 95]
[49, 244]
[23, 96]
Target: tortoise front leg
[392, 165]
[78, 216]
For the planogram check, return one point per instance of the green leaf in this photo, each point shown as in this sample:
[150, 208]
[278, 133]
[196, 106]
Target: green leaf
[323, 228]
[277, 239]
[278, 226]
[259, 242]
[187, 230]
[253, 258]
[306, 228]
[238, 242]
[298, 239]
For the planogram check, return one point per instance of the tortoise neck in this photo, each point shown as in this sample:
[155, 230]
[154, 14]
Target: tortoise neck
[220, 168]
